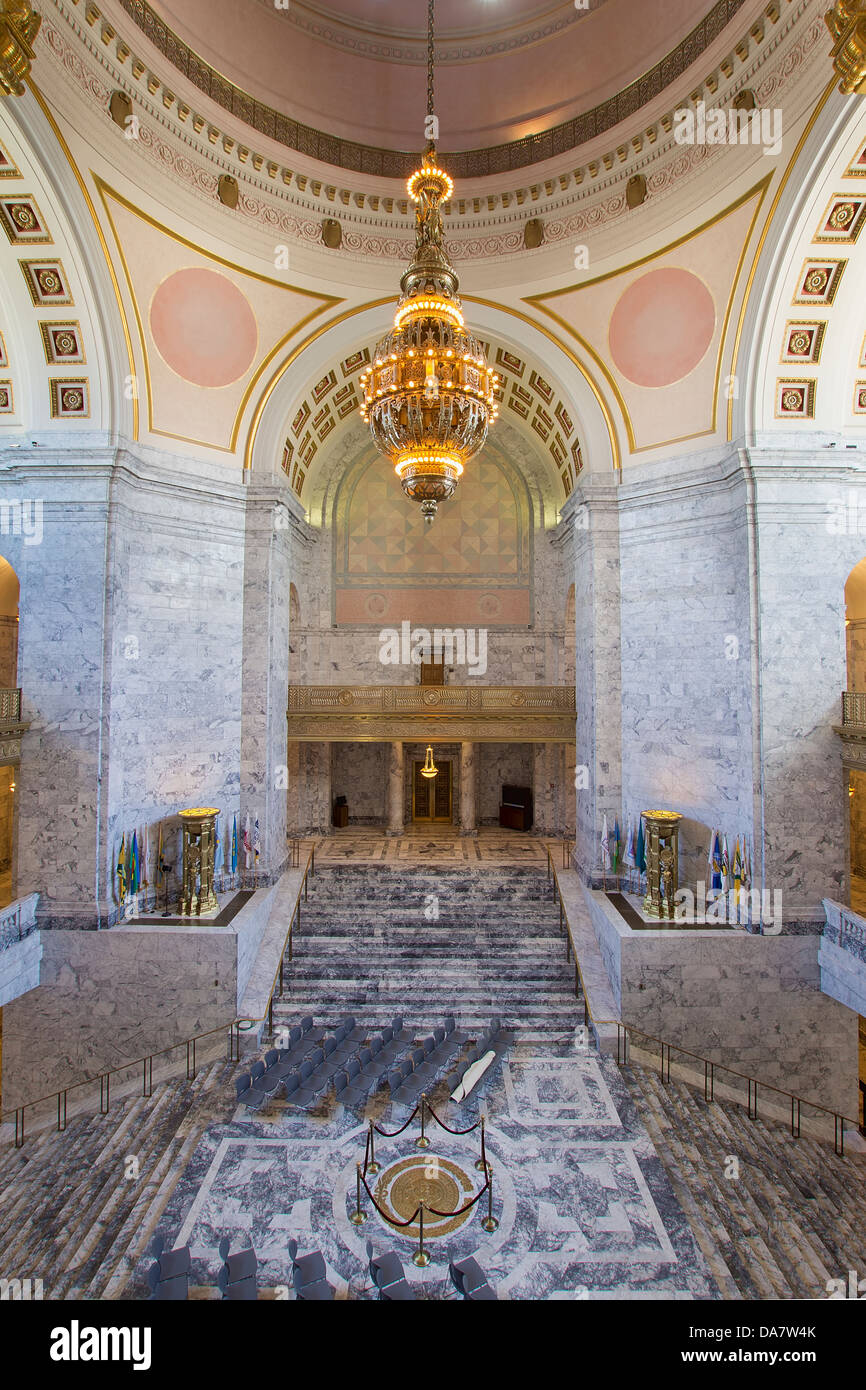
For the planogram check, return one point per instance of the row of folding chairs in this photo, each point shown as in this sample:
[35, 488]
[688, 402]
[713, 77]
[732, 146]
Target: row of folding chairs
[168, 1276]
[306, 1081]
[373, 1069]
[389, 1278]
[418, 1073]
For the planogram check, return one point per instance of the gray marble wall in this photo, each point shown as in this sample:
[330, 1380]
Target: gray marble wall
[264, 756]
[308, 797]
[687, 653]
[106, 999]
[153, 658]
[753, 1003]
[500, 764]
[359, 771]
[808, 505]
[174, 643]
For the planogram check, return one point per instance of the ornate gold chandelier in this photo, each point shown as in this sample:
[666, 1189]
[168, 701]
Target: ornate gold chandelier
[429, 769]
[429, 396]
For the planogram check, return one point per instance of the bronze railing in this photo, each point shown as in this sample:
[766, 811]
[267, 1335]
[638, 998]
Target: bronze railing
[233, 1030]
[854, 707]
[10, 706]
[626, 1031]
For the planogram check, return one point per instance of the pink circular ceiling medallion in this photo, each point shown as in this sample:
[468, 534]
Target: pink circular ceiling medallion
[203, 327]
[661, 327]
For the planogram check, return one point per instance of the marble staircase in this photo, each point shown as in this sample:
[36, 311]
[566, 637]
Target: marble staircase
[79, 1208]
[794, 1217]
[425, 942]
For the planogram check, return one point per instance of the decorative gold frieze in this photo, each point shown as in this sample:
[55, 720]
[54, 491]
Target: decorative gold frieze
[19, 26]
[479, 714]
[847, 23]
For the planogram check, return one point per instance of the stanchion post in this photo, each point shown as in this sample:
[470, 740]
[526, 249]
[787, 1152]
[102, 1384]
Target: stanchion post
[358, 1217]
[481, 1163]
[489, 1223]
[422, 1142]
[421, 1258]
[372, 1166]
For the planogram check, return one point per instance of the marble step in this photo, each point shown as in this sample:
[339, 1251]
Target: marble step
[384, 893]
[488, 966]
[516, 925]
[794, 1218]
[69, 1209]
[84, 1210]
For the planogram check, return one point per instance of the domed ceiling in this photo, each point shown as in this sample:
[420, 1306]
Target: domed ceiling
[507, 70]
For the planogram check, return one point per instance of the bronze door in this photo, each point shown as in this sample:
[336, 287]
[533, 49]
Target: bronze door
[431, 796]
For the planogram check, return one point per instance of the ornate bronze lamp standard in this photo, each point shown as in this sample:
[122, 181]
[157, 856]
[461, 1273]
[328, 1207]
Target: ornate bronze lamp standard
[199, 844]
[662, 862]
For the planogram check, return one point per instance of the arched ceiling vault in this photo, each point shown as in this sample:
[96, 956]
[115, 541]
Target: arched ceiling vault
[545, 392]
[802, 362]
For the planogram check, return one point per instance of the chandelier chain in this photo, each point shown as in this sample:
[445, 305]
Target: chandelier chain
[430, 58]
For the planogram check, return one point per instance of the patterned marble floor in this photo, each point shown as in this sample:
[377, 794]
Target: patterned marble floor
[430, 845]
[585, 1208]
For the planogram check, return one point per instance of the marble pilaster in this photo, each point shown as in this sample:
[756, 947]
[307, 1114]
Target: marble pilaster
[468, 811]
[598, 773]
[396, 764]
[264, 737]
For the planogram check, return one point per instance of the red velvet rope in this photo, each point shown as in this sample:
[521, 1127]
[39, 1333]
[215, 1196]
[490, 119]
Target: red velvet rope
[392, 1220]
[392, 1134]
[461, 1210]
[442, 1125]
[384, 1215]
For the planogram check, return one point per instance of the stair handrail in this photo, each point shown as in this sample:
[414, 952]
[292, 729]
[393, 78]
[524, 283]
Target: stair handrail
[233, 1028]
[624, 1030]
[245, 1024]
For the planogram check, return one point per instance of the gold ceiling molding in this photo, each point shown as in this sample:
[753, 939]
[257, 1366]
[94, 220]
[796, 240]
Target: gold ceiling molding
[759, 191]
[469, 299]
[819, 107]
[67, 154]
[19, 25]
[847, 24]
[325, 302]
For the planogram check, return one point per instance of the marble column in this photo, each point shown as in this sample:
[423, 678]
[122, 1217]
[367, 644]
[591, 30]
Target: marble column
[468, 823]
[395, 789]
[598, 674]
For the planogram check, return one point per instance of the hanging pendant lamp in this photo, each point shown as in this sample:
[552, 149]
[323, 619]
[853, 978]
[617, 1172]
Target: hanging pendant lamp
[429, 395]
[429, 769]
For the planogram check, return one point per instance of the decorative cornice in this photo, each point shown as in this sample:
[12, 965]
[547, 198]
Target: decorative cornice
[847, 23]
[287, 203]
[465, 164]
[19, 26]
